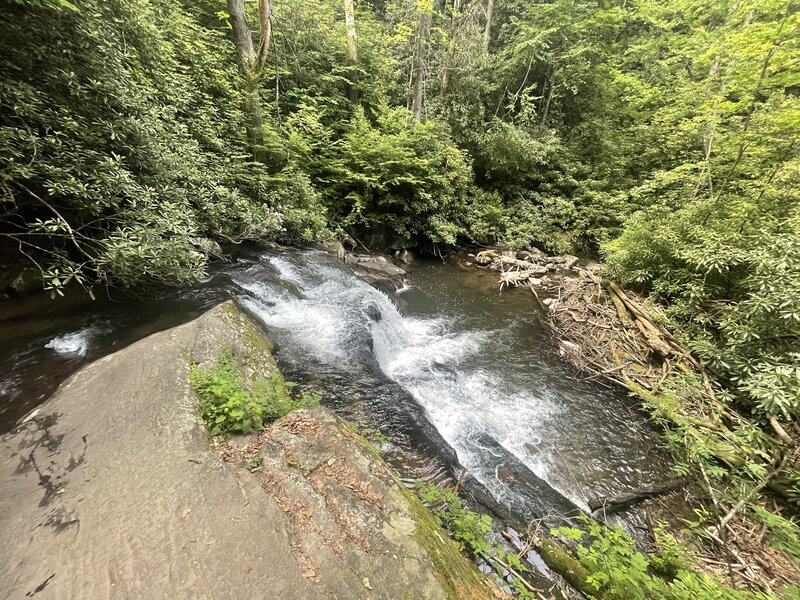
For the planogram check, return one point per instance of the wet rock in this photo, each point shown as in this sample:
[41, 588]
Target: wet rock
[404, 255]
[384, 239]
[526, 496]
[376, 264]
[271, 246]
[483, 260]
[332, 247]
[373, 313]
[532, 255]
[207, 246]
[27, 281]
[567, 261]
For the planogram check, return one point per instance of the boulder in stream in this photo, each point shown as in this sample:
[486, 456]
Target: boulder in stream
[333, 247]
[375, 263]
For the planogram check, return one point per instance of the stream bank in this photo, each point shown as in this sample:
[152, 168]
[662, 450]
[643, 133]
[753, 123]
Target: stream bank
[608, 333]
[110, 491]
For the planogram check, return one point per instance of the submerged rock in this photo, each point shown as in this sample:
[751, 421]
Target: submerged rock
[110, 491]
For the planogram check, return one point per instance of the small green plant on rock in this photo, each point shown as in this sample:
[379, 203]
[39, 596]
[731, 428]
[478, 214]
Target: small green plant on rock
[472, 532]
[227, 406]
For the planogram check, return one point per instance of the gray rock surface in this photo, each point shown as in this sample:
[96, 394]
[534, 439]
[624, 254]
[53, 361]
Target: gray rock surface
[27, 281]
[333, 247]
[375, 263]
[111, 491]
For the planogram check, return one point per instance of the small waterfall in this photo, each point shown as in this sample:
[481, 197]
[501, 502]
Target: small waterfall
[320, 311]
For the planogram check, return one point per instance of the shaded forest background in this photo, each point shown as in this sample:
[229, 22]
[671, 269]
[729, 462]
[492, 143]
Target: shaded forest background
[658, 135]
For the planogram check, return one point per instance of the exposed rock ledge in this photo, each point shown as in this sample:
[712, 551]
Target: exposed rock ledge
[111, 491]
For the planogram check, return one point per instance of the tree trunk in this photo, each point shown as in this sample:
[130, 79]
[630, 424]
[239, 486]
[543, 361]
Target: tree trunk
[350, 24]
[251, 65]
[618, 502]
[487, 31]
[352, 48]
[451, 47]
[254, 122]
[242, 37]
[420, 64]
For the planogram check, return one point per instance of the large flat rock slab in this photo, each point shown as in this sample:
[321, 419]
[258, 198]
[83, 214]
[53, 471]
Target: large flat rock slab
[111, 491]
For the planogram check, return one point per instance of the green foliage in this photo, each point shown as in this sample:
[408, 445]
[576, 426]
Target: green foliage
[620, 572]
[124, 148]
[402, 174]
[784, 534]
[472, 531]
[227, 406]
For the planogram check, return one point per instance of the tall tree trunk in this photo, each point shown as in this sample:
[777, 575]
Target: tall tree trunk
[451, 47]
[420, 64]
[352, 48]
[251, 63]
[487, 31]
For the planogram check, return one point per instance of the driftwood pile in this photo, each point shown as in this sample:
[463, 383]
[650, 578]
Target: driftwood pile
[610, 334]
[523, 269]
[615, 337]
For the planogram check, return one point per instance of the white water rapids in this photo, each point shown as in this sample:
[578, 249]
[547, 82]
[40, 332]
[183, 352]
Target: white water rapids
[464, 368]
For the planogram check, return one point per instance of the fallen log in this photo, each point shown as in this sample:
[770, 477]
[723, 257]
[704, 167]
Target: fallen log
[522, 265]
[566, 565]
[618, 502]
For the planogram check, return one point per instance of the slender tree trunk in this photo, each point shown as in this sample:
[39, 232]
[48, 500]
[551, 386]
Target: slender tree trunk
[251, 65]
[352, 48]
[487, 31]
[451, 47]
[350, 24]
[550, 83]
[420, 64]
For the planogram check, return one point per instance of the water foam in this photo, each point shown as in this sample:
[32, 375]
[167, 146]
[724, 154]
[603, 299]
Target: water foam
[72, 344]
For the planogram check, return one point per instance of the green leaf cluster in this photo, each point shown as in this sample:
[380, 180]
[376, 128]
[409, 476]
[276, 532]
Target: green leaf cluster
[473, 533]
[618, 571]
[228, 406]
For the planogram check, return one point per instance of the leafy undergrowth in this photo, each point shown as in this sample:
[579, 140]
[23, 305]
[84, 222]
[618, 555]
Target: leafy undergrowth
[228, 406]
[617, 571]
[472, 533]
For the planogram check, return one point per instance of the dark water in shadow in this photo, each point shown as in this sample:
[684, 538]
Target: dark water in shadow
[457, 361]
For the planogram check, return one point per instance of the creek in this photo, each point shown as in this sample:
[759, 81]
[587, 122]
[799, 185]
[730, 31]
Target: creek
[450, 371]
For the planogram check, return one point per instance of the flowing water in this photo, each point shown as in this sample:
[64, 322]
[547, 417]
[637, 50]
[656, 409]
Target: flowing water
[446, 363]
